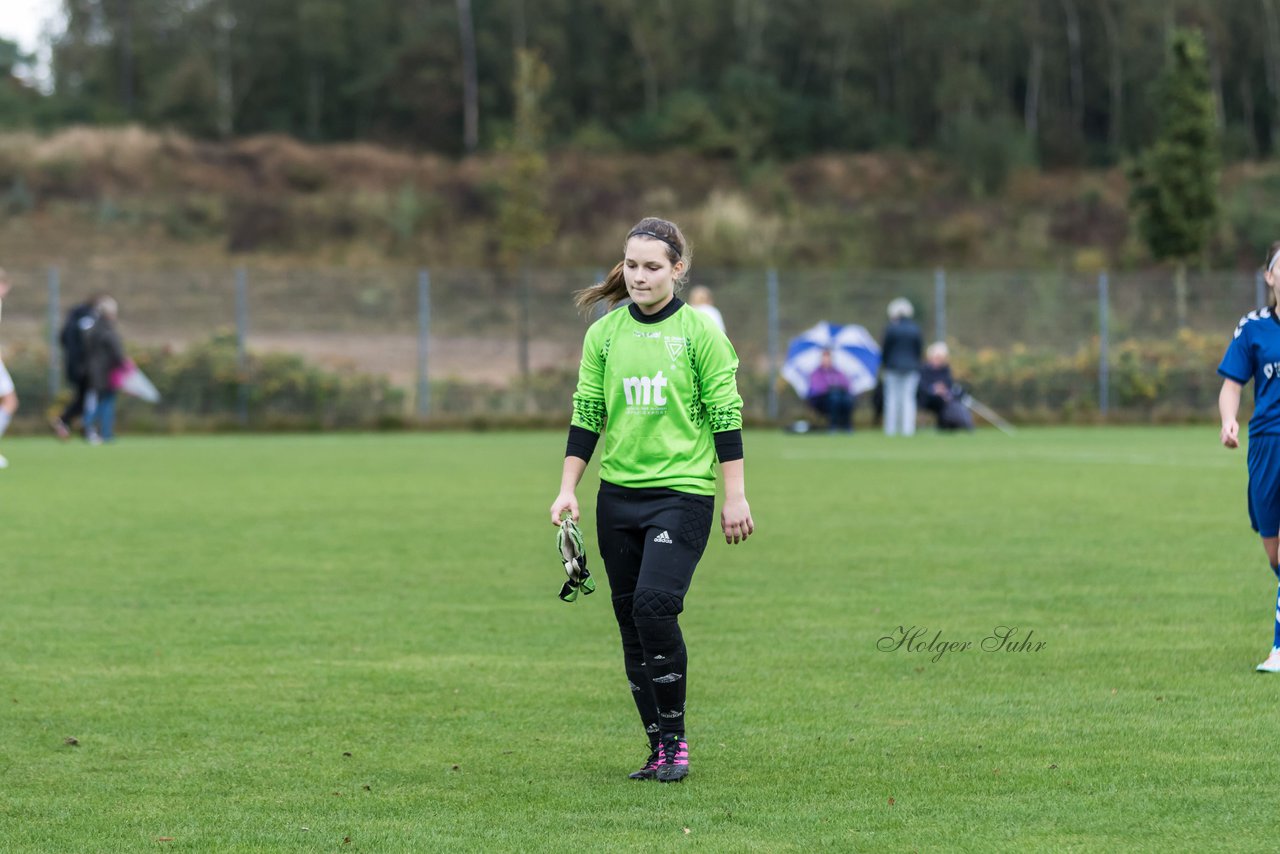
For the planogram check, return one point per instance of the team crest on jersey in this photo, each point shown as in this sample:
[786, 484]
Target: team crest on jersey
[675, 347]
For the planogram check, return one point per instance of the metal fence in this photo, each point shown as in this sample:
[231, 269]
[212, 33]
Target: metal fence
[430, 331]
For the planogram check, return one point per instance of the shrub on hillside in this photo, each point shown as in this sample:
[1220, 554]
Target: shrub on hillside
[258, 222]
[985, 151]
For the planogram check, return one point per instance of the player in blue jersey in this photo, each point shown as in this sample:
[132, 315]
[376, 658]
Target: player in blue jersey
[1254, 354]
[658, 382]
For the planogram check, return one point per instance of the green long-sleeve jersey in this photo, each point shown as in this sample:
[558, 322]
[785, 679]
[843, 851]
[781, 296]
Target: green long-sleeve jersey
[663, 385]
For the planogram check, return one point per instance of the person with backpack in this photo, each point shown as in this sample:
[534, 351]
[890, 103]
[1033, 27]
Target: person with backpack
[80, 319]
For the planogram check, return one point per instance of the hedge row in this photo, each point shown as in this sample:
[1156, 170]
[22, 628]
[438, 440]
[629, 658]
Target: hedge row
[1166, 380]
[203, 387]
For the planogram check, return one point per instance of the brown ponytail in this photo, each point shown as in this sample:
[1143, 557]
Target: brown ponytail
[613, 289]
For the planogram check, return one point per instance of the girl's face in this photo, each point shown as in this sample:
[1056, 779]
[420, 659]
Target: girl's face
[650, 275]
[1273, 279]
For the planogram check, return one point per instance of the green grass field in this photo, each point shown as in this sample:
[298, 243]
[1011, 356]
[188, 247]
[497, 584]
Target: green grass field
[353, 643]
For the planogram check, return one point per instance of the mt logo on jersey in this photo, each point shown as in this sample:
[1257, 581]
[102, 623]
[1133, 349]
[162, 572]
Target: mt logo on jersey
[645, 391]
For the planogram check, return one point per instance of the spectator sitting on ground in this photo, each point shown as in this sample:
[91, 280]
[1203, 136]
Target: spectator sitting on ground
[831, 395]
[939, 392]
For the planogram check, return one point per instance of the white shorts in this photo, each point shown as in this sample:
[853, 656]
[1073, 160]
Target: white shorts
[6, 381]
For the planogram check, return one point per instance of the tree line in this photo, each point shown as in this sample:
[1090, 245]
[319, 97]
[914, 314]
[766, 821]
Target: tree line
[993, 83]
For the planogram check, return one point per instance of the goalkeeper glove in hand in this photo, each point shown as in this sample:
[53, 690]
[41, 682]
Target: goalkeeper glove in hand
[574, 556]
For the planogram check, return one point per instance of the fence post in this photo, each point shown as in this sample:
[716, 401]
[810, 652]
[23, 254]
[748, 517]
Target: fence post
[940, 304]
[1104, 354]
[1259, 289]
[242, 337]
[772, 288]
[55, 309]
[524, 330]
[424, 339]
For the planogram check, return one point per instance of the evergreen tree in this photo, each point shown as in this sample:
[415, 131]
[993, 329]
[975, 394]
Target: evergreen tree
[1175, 182]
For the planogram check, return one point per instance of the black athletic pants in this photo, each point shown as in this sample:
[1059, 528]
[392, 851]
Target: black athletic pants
[651, 541]
[75, 408]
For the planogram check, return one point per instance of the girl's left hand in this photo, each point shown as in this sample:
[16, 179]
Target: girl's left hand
[736, 521]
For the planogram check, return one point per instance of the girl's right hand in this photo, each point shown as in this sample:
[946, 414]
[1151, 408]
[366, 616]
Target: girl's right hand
[564, 501]
[1231, 433]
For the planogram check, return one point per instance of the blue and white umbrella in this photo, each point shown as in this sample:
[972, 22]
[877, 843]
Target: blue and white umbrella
[853, 352]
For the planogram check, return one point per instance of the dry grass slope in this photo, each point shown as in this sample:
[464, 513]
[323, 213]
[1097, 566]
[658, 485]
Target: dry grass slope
[125, 195]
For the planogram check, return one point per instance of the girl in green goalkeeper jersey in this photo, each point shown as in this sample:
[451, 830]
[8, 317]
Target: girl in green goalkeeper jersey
[659, 380]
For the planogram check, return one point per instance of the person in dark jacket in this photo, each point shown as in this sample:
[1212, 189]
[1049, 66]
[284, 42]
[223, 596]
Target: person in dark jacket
[71, 341]
[900, 369]
[939, 393]
[104, 353]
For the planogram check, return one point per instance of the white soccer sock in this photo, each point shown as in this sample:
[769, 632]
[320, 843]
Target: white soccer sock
[5, 418]
[1276, 641]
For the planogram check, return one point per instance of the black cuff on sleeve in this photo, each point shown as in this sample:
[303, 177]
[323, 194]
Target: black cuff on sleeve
[582, 442]
[728, 445]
